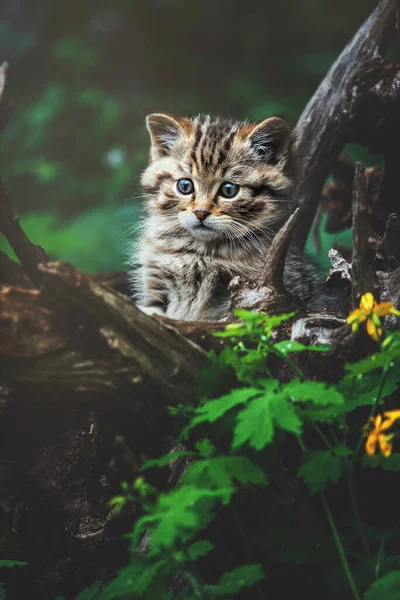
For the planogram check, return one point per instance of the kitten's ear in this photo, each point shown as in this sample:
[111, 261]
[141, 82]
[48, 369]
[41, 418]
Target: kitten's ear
[164, 132]
[271, 140]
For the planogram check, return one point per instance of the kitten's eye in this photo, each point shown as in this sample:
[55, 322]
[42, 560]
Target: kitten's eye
[185, 186]
[228, 189]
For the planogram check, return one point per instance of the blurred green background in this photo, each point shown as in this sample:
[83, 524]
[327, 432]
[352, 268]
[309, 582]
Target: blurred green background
[84, 73]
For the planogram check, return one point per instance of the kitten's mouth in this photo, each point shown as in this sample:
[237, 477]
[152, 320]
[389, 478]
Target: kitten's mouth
[204, 230]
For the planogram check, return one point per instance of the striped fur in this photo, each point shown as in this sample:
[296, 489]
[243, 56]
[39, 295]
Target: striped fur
[185, 265]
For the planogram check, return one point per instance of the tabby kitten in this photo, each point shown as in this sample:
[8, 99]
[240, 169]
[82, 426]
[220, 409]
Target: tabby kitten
[217, 191]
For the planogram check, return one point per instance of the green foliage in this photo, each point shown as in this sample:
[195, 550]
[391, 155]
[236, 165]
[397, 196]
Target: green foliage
[12, 563]
[256, 423]
[87, 241]
[319, 468]
[90, 593]
[386, 588]
[389, 463]
[234, 581]
[77, 139]
[315, 392]
[199, 549]
[9, 564]
[221, 472]
[258, 412]
[215, 409]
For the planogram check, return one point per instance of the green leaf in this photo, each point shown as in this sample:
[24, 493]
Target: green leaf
[205, 447]
[256, 422]
[386, 588]
[287, 346]
[177, 516]
[199, 548]
[12, 563]
[319, 468]
[362, 390]
[90, 593]
[314, 391]
[165, 460]
[285, 414]
[255, 425]
[132, 581]
[253, 323]
[325, 414]
[234, 581]
[220, 473]
[343, 450]
[217, 368]
[212, 410]
[376, 361]
[390, 463]
[3, 594]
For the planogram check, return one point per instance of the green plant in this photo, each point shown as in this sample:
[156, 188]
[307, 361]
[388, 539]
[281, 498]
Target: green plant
[235, 435]
[9, 564]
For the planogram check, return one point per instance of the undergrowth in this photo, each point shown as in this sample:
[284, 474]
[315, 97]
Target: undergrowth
[231, 444]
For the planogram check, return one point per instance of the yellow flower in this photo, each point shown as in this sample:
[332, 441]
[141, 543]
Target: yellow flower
[377, 436]
[370, 311]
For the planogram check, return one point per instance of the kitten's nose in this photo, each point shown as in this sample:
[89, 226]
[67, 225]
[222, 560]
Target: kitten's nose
[201, 214]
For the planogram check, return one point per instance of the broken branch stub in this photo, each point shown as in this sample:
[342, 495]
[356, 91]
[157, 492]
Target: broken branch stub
[271, 274]
[266, 293]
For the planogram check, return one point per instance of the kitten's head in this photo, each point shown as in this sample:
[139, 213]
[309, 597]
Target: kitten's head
[219, 179]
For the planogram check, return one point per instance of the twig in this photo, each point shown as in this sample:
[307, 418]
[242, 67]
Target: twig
[5, 105]
[29, 254]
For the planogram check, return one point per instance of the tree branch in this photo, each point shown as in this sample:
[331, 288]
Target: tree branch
[324, 126]
[29, 254]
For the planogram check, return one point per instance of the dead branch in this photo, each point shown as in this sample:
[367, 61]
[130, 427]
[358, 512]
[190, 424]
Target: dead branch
[327, 121]
[29, 254]
[123, 342]
[5, 104]
[266, 293]
[271, 275]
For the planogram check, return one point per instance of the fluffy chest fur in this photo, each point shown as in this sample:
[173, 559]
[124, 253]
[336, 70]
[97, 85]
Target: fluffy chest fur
[188, 280]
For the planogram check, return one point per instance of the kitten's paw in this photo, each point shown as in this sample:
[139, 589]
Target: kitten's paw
[151, 310]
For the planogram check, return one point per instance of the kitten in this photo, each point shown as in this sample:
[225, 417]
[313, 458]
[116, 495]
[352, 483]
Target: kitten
[217, 191]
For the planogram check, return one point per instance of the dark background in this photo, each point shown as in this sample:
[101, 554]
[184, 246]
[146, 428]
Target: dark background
[84, 73]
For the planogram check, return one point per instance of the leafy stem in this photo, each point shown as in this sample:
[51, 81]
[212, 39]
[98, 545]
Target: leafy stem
[244, 537]
[340, 548]
[323, 437]
[356, 513]
[197, 588]
[373, 410]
